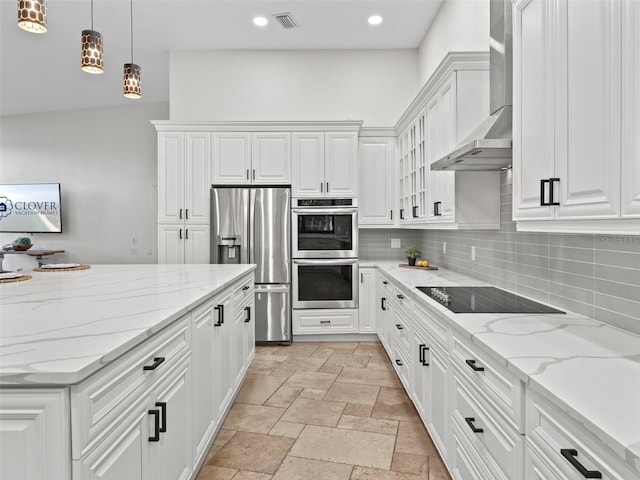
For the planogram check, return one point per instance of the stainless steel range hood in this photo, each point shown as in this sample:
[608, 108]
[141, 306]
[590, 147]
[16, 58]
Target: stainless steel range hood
[488, 147]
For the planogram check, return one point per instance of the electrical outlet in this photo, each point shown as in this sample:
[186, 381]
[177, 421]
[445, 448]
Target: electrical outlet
[473, 253]
[444, 248]
[395, 243]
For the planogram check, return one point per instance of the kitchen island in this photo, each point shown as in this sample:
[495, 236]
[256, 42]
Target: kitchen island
[120, 368]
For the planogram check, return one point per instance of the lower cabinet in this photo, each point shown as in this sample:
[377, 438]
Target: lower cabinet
[34, 440]
[366, 310]
[325, 321]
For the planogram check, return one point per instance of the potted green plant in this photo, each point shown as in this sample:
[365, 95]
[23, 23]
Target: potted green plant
[412, 254]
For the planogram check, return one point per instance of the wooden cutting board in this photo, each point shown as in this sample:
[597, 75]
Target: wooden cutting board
[406, 265]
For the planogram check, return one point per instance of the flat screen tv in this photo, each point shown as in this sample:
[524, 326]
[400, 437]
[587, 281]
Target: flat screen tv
[30, 208]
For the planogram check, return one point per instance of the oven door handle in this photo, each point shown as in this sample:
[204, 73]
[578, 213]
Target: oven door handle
[352, 261]
[324, 211]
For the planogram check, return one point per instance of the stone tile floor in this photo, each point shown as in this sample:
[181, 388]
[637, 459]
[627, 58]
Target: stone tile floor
[323, 410]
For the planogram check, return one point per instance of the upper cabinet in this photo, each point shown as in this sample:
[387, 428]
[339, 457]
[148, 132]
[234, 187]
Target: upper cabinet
[184, 162]
[325, 164]
[576, 109]
[252, 158]
[376, 181]
[453, 102]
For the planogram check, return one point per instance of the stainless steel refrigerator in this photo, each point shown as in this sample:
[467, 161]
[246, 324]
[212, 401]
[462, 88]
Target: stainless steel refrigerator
[253, 225]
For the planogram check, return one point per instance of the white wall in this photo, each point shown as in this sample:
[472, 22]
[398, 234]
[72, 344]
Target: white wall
[460, 25]
[370, 85]
[105, 160]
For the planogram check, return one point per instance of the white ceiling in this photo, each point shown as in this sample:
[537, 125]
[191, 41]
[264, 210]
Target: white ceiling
[42, 73]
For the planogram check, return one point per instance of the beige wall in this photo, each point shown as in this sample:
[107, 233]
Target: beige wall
[460, 25]
[370, 85]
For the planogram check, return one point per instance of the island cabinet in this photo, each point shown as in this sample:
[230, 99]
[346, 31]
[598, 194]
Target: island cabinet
[325, 164]
[576, 159]
[251, 158]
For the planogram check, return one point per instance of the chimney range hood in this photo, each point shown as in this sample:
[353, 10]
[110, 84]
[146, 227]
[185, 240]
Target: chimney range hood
[488, 147]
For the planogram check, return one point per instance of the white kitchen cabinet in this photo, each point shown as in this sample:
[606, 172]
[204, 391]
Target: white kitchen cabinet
[366, 305]
[224, 351]
[376, 181]
[184, 163]
[34, 434]
[384, 311]
[183, 243]
[413, 171]
[460, 105]
[325, 164]
[573, 113]
[557, 443]
[630, 45]
[243, 158]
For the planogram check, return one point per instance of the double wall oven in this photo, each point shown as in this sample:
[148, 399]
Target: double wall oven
[325, 253]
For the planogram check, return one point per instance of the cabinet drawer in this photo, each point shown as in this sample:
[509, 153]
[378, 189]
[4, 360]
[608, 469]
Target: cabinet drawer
[464, 461]
[500, 387]
[550, 432]
[400, 362]
[102, 400]
[325, 321]
[401, 330]
[433, 323]
[244, 292]
[496, 442]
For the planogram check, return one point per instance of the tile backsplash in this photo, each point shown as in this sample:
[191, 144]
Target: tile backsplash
[594, 275]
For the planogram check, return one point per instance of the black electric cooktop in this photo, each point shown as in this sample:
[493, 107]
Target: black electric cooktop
[484, 300]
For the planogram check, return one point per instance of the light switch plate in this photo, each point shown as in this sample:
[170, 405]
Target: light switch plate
[395, 243]
[444, 248]
[473, 253]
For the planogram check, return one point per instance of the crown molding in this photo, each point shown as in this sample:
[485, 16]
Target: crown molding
[256, 126]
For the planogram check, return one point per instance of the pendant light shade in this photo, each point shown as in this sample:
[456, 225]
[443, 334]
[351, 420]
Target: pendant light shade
[92, 49]
[132, 80]
[92, 52]
[32, 15]
[132, 88]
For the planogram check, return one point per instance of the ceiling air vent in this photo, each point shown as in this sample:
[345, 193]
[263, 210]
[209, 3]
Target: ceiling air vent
[286, 20]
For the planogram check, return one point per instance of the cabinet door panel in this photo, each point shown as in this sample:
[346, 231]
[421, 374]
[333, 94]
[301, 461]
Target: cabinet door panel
[587, 152]
[171, 243]
[533, 117]
[366, 305]
[437, 399]
[197, 173]
[170, 177]
[376, 181]
[631, 108]
[196, 244]
[341, 164]
[308, 164]
[271, 158]
[231, 158]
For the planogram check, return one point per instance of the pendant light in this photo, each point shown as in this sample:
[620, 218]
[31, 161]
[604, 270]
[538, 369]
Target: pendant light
[92, 49]
[131, 79]
[32, 15]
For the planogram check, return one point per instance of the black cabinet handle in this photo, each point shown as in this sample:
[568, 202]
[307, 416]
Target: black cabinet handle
[402, 214]
[413, 212]
[436, 209]
[186, 214]
[399, 362]
[391, 214]
[163, 416]
[220, 310]
[248, 318]
[156, 363]
[325, 321]
[246, 287]
[254, 174]
[180, 234]
[180, 214]
[383, 303]
[247, 174]
[186, 233]
[570, 454]
[470, 421]
[321, 186]
[399, 326]
[551, 189]
[156, 422]
[327, 187]
[422, 349]
[474, 367]
[543, 182]
[400, 296]
[385, 282]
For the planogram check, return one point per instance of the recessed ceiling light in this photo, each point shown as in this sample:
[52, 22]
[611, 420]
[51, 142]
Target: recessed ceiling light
[375, 20]
[260, 21]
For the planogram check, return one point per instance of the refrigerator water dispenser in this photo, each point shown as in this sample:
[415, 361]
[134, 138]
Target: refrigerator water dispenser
[229, 249]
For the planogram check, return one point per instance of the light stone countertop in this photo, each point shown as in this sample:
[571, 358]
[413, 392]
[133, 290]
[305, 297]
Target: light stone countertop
[589, 369]
[60, 327]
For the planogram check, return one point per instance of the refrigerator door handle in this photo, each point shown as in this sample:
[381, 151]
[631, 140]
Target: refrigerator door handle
[250, 223]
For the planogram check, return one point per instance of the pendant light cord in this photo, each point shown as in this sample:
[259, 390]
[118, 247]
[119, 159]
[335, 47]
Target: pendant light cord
[91, 14]
[131, 17]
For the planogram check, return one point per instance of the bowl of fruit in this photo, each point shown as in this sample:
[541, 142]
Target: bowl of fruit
[21, 244]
